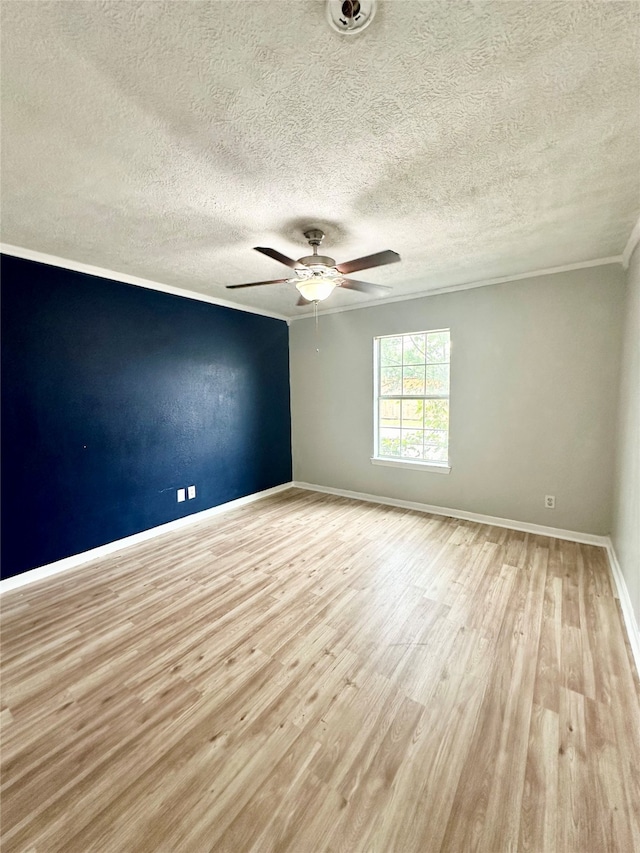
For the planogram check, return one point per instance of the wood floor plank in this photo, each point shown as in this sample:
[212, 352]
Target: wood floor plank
[606, 785]
[573, 819]
[538, 830]
[505, 798]
[546, 690]
[423, 792]
[467, 819]
[312, 673]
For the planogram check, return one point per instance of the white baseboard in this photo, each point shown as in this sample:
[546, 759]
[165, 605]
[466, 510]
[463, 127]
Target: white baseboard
[524, 526]
[78, 559]
[633, 631]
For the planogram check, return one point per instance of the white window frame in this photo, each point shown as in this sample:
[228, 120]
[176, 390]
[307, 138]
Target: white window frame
[418, 465]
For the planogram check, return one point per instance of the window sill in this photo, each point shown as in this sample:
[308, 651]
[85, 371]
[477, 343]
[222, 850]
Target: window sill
[432, 467]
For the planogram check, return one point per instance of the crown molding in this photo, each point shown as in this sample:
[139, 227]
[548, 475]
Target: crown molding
[632, 242]
[125, 278]
[597, 262]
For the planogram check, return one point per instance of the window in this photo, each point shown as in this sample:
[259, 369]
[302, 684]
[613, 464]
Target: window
[412, 399]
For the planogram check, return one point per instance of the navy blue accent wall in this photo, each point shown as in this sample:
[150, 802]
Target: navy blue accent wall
[114, 396]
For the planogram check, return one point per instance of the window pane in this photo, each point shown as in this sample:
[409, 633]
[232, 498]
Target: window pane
[436, 443]
[412, 414]
[411, 444]
[391, 380]
[390, 351]
[436, 414]
[389, 413]
[437, 347]
[436, 437]
[437, 379]
[414, 349]
[389, 442]
[413, 379]
[435, 454]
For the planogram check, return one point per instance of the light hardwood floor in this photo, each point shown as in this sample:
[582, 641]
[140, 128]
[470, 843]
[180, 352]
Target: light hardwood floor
[310, 673]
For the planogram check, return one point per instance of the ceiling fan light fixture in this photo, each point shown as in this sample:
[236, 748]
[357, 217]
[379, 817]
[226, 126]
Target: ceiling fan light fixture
[316, 289]
[317, 276]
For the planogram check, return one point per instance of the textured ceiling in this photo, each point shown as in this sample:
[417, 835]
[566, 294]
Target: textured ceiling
[164, 140]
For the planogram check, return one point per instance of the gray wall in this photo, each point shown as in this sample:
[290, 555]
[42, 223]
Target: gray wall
[534, 376]
[625, 532]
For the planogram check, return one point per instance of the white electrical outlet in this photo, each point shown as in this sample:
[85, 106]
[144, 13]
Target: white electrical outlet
[550, 501]
[181, 495]
[191, 492]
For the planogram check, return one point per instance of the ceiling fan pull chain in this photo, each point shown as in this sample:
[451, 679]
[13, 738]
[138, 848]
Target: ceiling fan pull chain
[315, 314]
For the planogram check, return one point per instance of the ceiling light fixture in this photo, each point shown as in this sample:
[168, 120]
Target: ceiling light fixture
[317, 288]
[318, 278]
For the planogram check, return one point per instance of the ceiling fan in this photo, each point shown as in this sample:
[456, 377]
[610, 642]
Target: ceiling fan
[316, 275]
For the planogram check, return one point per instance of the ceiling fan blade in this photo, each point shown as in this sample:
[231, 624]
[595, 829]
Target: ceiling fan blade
[257, 283]
[377, 260]
[278, 256]
[365, 286]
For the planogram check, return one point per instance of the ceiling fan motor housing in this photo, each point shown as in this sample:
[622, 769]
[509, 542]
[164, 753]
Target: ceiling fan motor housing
[317, 260]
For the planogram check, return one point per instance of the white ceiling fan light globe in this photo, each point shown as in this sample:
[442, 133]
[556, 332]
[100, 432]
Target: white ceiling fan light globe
[316, 289]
